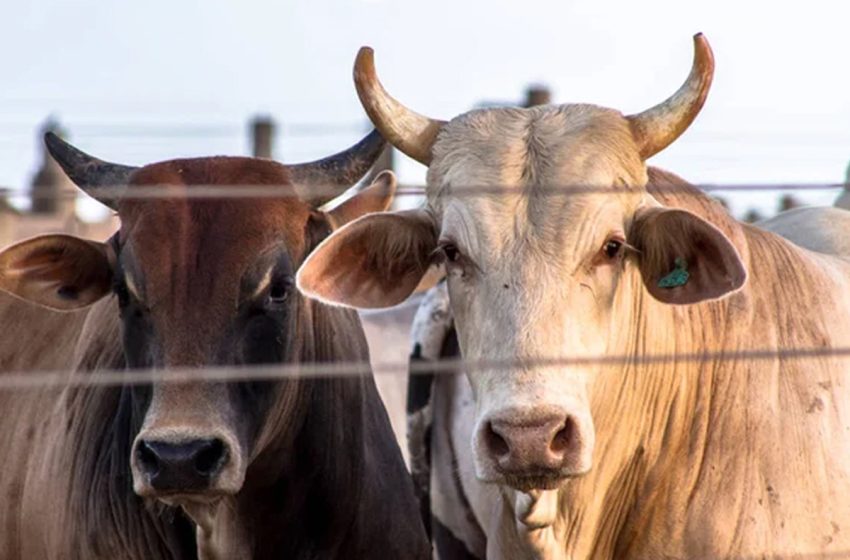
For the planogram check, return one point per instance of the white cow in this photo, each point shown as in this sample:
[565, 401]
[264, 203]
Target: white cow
[822, 229]
[560, 246]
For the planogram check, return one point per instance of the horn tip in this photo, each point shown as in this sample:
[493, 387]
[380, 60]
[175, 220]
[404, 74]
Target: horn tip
[365, 56]
[364, 67]
[57, 147]
[701, 45]
[52, 140]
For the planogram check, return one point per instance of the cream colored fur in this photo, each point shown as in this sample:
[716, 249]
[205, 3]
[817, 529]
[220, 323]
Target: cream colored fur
[692, 459]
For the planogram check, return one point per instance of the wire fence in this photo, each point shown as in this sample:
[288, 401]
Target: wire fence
[180, 131]
[30, 379]
[14, 380]
[173, 191]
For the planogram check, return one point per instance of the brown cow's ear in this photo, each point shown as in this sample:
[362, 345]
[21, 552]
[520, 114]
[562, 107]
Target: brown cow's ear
[375, 261]
[684, 259]
[377, 197]
[61, 272]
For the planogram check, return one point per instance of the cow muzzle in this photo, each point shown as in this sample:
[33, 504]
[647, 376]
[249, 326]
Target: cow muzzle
[172, 467]
[533, 448]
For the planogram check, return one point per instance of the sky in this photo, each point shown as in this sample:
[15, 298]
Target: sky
[138, 82]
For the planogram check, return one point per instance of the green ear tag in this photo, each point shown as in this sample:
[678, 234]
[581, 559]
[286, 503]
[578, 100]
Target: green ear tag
[677, 277]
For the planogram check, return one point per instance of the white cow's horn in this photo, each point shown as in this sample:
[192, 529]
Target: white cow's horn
[656, 128]
[410, 132]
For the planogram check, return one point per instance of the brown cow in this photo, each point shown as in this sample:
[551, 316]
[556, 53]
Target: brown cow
[297, 468]
[678, 443]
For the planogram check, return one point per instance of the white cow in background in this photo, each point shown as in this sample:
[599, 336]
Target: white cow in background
[823, 229]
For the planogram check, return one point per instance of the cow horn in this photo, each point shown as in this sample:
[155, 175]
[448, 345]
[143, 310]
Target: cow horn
[410, 132]
[332, 175]
[656, 128]
[88, 172]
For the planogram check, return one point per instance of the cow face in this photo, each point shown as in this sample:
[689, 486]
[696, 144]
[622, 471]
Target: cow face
[201, 282]
[549, 239]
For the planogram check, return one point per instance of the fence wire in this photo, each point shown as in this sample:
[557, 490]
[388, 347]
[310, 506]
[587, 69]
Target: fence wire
[34, 379]
[211, 191]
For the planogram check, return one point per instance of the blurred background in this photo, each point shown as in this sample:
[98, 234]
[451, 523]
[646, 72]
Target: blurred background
[147, 81]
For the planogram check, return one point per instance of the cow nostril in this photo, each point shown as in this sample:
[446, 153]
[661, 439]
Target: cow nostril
[210, 459]
[564, 438]
[148, 458]
[495, 442]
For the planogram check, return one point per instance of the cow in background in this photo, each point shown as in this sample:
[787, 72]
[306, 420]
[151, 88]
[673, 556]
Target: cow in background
[824, 229]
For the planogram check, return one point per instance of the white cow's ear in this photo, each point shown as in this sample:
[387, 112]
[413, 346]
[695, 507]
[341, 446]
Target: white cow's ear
[61, 272]
[375, 261]
[683, 259]
[377, 197]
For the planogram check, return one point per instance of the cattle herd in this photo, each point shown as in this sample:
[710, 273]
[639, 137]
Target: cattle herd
[642, 375]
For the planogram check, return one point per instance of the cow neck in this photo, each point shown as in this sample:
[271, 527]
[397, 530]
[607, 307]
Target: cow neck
[340, 486]
[102, 424]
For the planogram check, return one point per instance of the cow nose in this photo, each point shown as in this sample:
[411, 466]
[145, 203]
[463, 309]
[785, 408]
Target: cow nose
[185, 466]
[551, 443]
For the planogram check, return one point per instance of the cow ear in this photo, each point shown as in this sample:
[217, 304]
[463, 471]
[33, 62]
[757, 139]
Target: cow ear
[377, 197]
[60, 272]
[683, 259]
[374, 261]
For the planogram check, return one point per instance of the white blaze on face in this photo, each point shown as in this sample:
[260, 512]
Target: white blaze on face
[528, 275]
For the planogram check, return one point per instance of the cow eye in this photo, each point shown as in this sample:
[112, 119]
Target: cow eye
[612, 248]
[451, 252]
[279, 291]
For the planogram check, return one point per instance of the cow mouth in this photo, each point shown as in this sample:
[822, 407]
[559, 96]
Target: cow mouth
[177, 498]
[542, 480]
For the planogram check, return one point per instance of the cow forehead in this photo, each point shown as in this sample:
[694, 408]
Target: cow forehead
[547, 145]
[209, 241]
[217, 222]
[501, 178]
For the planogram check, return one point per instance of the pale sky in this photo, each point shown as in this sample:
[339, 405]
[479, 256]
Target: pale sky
[145, 81]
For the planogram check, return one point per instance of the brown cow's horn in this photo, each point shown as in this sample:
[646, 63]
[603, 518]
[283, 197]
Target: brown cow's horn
[656, 128]
[88, 172]
[407, 130]
[332, 175]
